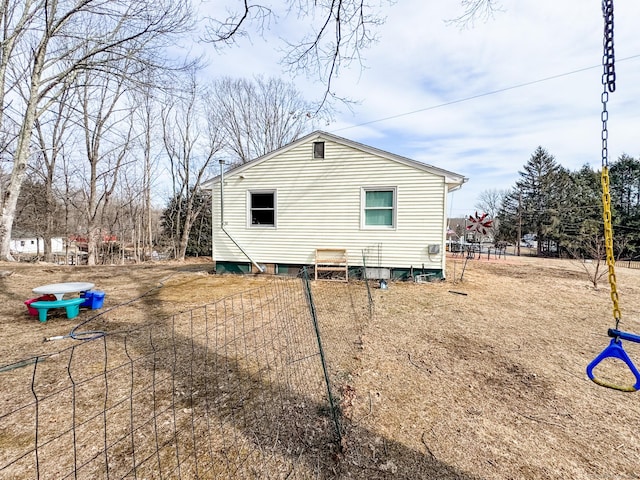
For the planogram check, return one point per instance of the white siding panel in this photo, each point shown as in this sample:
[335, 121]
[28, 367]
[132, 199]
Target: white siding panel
[318, 205]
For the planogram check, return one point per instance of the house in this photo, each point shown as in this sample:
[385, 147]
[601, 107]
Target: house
[33, 245]
[326, 192]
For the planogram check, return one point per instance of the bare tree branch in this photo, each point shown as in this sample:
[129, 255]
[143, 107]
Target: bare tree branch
[64, 37]
[259, 116]
[339, 32]
[476, 10]
[192, 140]
[228, 30]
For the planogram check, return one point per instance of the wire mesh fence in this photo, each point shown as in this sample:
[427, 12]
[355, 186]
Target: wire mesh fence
[234, 389]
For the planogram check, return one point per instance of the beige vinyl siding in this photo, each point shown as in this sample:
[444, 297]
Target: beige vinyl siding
[319, 206]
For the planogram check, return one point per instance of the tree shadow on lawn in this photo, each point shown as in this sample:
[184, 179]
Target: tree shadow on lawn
[231, 390]
[274, 396]
[236, 416]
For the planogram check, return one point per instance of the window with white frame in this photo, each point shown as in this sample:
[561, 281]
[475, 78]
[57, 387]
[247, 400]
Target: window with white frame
[262, 208]
[379, 207]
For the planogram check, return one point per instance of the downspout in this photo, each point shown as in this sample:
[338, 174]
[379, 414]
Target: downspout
[260, 268]
[446, 227]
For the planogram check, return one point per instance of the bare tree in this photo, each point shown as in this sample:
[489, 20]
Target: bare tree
[336, 31]
[107, 127]
[258, 116]
[192, 139]
[591, 255]
[476, 10]
[52, 41]
[15, 19]
[131, 215]
[122, 218]
[489, 202]
[147, 123]
[339, 32]
[53, 137]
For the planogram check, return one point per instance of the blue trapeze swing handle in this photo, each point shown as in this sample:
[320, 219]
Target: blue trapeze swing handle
[615, 350]
[623, 335]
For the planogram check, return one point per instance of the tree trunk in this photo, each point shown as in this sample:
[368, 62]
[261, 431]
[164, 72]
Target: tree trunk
[18, 173]
[184, 238]
[92, 244]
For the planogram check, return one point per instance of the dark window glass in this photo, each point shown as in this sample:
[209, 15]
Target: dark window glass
[262, 217]
[318, 149]
[262, 200]
[263, 209]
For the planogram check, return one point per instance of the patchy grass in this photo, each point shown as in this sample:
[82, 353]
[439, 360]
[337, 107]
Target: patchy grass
[480, 378]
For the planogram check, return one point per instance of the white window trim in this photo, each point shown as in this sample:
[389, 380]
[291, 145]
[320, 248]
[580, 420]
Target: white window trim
[363, 203]
[275, 209]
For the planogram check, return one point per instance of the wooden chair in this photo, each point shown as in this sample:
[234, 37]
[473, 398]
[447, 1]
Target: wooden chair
[332, 260]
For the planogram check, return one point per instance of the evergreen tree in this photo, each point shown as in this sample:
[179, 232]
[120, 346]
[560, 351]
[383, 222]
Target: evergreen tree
[542, 186]
[624, 177]
[564, 209]
[173, 221]
[582, 218]
[509, 217]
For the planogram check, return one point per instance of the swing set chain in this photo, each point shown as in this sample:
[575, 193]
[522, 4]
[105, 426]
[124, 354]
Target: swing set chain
[608, 75]
[609, 84]
[608, 242]
[608, 59]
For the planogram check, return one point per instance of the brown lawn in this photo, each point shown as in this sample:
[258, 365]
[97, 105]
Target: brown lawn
[480, 378]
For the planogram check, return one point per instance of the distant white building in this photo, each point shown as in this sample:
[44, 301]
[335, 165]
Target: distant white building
[35, 245]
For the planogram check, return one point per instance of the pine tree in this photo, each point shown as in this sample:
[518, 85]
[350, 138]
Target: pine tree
[540, 186]
[582, 225]
[624, 176]
[508, 217]
[174, 219]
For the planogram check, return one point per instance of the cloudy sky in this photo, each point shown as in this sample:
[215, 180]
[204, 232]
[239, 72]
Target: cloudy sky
[477, 101]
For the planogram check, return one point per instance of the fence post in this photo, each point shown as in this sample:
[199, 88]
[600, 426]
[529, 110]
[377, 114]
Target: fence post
[314, 318]
[366, 282]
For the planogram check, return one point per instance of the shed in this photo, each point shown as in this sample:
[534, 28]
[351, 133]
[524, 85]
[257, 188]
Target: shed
[324, 192]
[34, 245]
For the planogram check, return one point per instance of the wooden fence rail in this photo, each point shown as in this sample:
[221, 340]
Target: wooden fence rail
[628, 263]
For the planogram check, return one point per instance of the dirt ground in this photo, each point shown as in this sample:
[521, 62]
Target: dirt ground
[483, 376]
